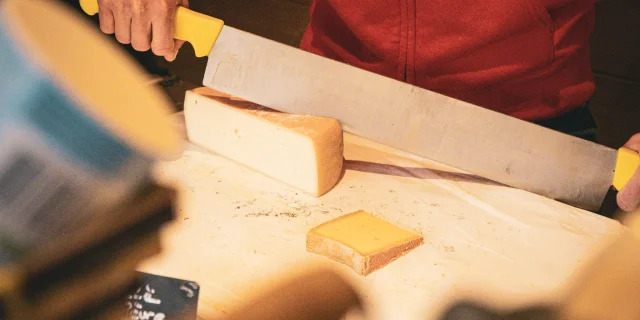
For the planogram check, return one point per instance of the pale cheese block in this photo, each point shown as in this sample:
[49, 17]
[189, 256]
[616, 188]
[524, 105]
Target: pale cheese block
[304, 152]
[361, 241]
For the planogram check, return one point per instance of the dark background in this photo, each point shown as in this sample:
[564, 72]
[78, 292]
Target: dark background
[615, 54]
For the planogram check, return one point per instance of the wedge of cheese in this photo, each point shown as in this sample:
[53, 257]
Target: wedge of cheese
[361, 241]
[302, 151]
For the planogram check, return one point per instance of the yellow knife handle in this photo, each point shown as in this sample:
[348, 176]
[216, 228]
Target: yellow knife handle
[200, 30]
[626, 165]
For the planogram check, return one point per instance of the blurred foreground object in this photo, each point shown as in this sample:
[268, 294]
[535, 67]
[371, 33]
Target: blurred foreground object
[607, 288]
[80, 130]
[79, 126]
[316, 295]
[88, 273]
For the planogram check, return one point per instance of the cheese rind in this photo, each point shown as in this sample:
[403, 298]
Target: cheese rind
[361, 241]
[302, 151]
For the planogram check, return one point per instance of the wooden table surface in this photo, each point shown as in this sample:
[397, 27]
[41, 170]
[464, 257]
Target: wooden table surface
[238, 232]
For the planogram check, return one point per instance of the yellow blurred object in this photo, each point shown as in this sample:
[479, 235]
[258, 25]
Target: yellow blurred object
[108, 85]
[316, 295]
[609, 287]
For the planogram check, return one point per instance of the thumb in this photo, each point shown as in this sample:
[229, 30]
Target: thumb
[633, 143]
[629, 197]
[172, 56]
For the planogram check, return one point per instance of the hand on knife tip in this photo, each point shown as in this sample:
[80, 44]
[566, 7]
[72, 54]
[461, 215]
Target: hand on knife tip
[145, 24]
[629, 197]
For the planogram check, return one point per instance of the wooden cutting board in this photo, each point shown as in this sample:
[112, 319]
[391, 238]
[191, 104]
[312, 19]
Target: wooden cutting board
[238, 232]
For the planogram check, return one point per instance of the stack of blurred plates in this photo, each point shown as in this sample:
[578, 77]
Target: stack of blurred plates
[88, 274]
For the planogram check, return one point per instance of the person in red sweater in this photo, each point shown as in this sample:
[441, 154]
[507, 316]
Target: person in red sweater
[525, 58]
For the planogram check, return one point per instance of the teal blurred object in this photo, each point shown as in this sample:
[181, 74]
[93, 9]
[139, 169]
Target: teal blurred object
[59, 168]
[31, 98]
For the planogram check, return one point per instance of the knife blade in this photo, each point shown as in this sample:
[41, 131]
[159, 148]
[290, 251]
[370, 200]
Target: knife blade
[489, 144]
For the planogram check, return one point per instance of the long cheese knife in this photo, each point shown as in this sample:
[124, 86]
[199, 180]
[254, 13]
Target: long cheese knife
[468, 137]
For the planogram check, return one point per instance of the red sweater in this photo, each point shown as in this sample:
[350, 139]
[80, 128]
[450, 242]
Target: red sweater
[526, 58]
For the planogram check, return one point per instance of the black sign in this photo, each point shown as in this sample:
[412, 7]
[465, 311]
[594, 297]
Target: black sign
[163, 298]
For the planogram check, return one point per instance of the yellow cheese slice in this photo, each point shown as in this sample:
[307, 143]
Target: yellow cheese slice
[361, 241]
[302, 151]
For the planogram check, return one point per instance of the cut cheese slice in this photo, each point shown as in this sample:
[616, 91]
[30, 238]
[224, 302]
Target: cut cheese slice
[302, 151]
[361, 241]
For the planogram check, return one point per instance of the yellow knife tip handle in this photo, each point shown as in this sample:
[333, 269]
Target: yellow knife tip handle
[89, 7]
[200, 30]
[626, 165]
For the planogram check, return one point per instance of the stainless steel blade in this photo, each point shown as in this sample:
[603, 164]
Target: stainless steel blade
[474, 139]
